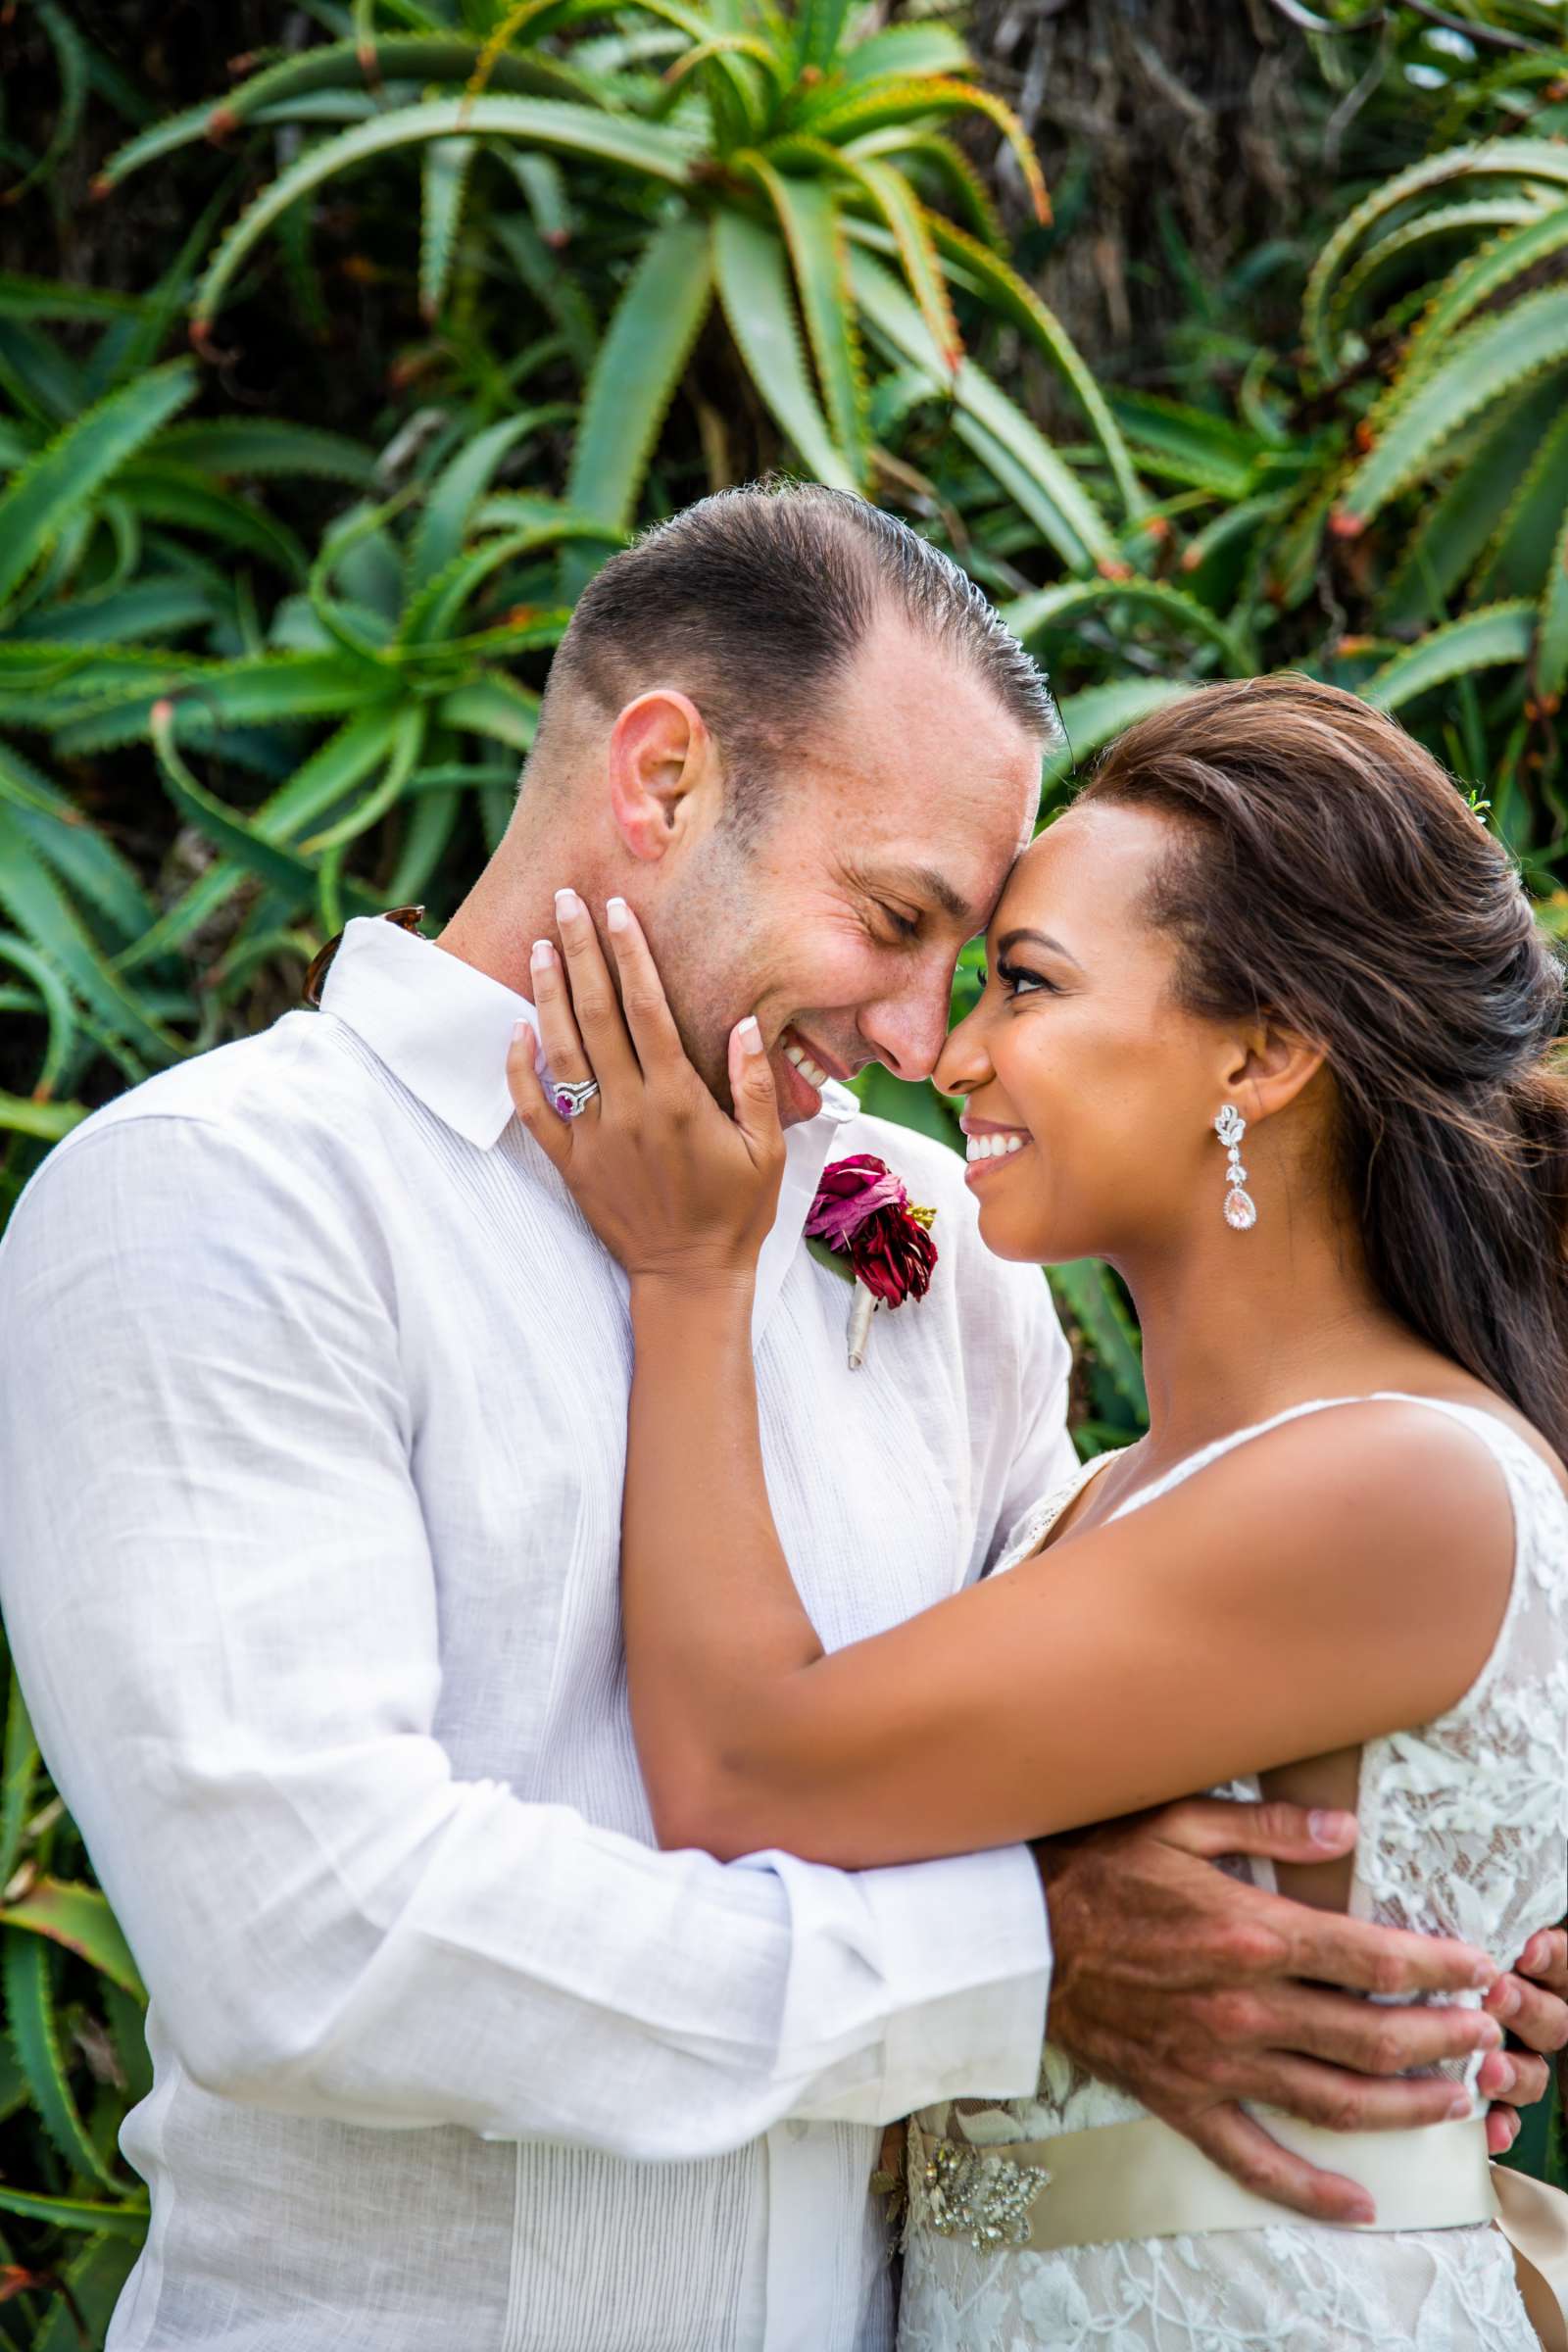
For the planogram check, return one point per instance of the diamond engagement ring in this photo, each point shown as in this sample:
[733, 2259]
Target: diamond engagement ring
[571, 1100]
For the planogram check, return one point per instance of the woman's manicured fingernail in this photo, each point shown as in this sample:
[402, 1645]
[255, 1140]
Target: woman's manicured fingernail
[1534, 1954]
[1460, 2104]
[1331, 1829]
[1485, 1975]
[521, 1030]
[543, 956]
[615, 913]
[749, 1035]
[568, 906]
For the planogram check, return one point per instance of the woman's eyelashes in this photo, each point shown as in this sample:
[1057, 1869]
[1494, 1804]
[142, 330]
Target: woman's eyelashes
[1020, 981]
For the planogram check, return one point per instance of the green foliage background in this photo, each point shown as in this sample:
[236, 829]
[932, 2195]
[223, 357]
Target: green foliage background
[329, 373]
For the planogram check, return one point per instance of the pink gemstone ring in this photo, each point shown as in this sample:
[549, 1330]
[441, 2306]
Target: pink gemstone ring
[571, 1099]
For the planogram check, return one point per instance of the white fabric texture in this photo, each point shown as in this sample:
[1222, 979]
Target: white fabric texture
[311, 1446]
[1462, 1828]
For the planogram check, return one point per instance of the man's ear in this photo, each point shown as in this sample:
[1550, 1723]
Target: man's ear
[1267, 1066]
[664, 772]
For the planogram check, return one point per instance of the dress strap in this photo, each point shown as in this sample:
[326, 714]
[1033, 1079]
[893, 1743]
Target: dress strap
[1507, 1447]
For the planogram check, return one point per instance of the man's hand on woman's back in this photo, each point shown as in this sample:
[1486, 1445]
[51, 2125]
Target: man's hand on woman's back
[1196, 1991]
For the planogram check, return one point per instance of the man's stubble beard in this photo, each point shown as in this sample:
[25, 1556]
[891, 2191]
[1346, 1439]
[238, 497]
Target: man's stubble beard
[702, 935]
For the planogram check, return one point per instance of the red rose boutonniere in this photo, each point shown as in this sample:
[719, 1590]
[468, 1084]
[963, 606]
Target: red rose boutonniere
[865, 1228]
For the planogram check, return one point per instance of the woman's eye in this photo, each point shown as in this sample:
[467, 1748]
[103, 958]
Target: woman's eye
[1019, 981]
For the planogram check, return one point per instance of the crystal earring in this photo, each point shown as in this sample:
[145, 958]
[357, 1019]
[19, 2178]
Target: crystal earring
[1240, 1209]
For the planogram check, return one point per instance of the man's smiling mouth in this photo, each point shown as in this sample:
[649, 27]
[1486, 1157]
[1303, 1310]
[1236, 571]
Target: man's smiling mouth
[797, 1055]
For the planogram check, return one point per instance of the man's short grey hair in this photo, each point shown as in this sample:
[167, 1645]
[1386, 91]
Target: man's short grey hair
[754, 602]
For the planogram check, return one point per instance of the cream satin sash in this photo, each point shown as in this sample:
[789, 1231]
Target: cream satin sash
[1141, 2180]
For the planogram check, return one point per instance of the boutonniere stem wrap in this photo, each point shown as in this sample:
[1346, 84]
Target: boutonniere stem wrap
[865, 1229]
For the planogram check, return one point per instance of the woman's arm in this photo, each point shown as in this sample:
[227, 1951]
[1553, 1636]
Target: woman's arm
[1341, 1577]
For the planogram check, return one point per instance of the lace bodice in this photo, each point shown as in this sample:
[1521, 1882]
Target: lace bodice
[1463, 1824]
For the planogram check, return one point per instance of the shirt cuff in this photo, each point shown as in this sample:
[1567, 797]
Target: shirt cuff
[965, 1950]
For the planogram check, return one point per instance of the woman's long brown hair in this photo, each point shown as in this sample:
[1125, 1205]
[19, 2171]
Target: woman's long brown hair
[1335, 876]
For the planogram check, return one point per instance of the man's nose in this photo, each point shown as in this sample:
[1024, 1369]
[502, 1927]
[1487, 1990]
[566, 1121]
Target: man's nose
[906, 1033]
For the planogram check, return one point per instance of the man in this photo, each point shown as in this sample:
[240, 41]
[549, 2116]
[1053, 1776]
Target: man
[311, 1455]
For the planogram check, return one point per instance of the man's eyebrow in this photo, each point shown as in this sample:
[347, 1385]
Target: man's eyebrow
[1039, 939]
[926, 882]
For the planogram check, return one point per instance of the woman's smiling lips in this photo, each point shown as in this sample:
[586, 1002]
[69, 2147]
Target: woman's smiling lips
[988, 1145]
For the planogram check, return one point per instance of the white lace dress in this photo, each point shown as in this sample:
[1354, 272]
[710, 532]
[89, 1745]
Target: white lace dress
[1462, 1829]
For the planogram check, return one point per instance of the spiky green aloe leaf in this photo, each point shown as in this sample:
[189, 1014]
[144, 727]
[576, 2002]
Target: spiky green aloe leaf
[336, 66]
[753, 278]
[960, 181]
[77, 852]
[71, 65]
[432, 614]
[650, 149]
[1055, 607]
[813, 236]
[95, 2278]
[129, 2221]
[1519, 558]
[66, 473]
[444, 178]
[1007, 293]
[1481, 279]
[1541, 161]
[1552, 642]
[17, 1781]
[1017, 451]
[39, 298]
[287, 871]
[494, 705]
[457, 490]
[45, 1122]
[32, 2030]
[1087, 1291]
[1469, 510]
[1499, 633]
[1485, 362]
[153, 606]
[1100, 712]
[1183, 444]
[35, 904]
[266, 445]
[79, 1919]
[1391, 251]
[911, 227]
[407, 741]
[636, 370]
[53, 999]
[165, 492]
[904, 53]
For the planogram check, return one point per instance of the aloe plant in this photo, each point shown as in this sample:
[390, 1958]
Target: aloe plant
[379, 683]
[781, 173]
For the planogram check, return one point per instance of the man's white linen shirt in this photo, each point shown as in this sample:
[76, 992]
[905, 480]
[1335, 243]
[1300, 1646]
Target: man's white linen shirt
[312, 1440]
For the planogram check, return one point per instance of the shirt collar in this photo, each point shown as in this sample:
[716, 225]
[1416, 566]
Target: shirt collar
[441, 1026]
[444, 1029]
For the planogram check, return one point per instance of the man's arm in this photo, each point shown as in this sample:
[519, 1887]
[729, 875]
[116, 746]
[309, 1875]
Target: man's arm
[223, 1611]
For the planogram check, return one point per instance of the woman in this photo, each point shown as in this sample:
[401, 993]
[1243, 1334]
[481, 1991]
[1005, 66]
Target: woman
[1337, 1566]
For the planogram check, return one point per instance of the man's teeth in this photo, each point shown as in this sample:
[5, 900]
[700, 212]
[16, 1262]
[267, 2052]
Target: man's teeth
[807, 1068]
[993, 1147]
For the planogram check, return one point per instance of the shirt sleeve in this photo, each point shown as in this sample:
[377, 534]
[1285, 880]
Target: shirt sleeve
[221, 1597]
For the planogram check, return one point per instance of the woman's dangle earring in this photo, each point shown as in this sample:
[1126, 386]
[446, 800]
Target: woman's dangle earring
[1240, 1209]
